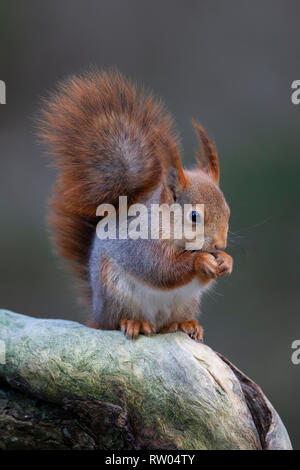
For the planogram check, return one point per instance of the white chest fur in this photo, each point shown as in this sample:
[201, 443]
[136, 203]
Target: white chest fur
[160, 306]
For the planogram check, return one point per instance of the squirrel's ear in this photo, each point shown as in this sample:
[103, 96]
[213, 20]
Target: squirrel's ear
[207, 156]
[175, 182]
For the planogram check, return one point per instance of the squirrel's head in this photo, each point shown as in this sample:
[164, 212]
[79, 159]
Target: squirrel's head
[199, 186]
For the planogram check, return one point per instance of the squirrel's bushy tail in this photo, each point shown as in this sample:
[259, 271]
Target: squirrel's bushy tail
[108, 139]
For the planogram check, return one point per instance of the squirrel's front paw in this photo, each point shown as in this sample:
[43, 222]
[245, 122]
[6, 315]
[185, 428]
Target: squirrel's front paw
[132, 328]
[190, 327]
[206, 266]
[225, 263]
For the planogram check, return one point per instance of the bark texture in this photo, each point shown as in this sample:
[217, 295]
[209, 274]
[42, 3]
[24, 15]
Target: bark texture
[65, 386]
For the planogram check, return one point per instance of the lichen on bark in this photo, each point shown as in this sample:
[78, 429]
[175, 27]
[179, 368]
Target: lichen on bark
[159, 392]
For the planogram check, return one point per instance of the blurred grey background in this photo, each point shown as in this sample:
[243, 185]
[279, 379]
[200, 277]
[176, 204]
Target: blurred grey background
[230, 65]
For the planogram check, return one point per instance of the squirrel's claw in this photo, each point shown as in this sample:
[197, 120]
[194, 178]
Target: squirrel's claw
[190, 327]
[132, 328]
[225, 263]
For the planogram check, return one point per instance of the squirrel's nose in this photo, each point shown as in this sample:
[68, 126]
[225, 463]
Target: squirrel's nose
[220, 245]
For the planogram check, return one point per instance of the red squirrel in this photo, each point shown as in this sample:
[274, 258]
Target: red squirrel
[108, 139]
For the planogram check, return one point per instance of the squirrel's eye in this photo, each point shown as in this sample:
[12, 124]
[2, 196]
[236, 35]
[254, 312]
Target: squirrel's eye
[195, 217]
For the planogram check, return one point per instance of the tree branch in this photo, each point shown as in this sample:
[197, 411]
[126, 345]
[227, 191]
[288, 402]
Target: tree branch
[69, 386]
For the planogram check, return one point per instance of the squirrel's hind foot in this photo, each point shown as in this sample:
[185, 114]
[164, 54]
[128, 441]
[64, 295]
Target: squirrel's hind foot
[190, 327]
[132, 328]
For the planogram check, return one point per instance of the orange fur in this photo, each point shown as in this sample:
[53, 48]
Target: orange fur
[110, 139]
[207, 155]
[132, 328]
[190, 327]
[87, 125]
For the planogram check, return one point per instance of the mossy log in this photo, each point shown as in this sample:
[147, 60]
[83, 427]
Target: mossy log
[66, 386]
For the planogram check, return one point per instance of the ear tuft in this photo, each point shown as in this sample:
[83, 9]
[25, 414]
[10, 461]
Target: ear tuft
[207, 156]
[175, 182]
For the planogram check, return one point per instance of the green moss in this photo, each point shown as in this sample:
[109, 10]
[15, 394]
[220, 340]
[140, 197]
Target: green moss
[175, 391]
